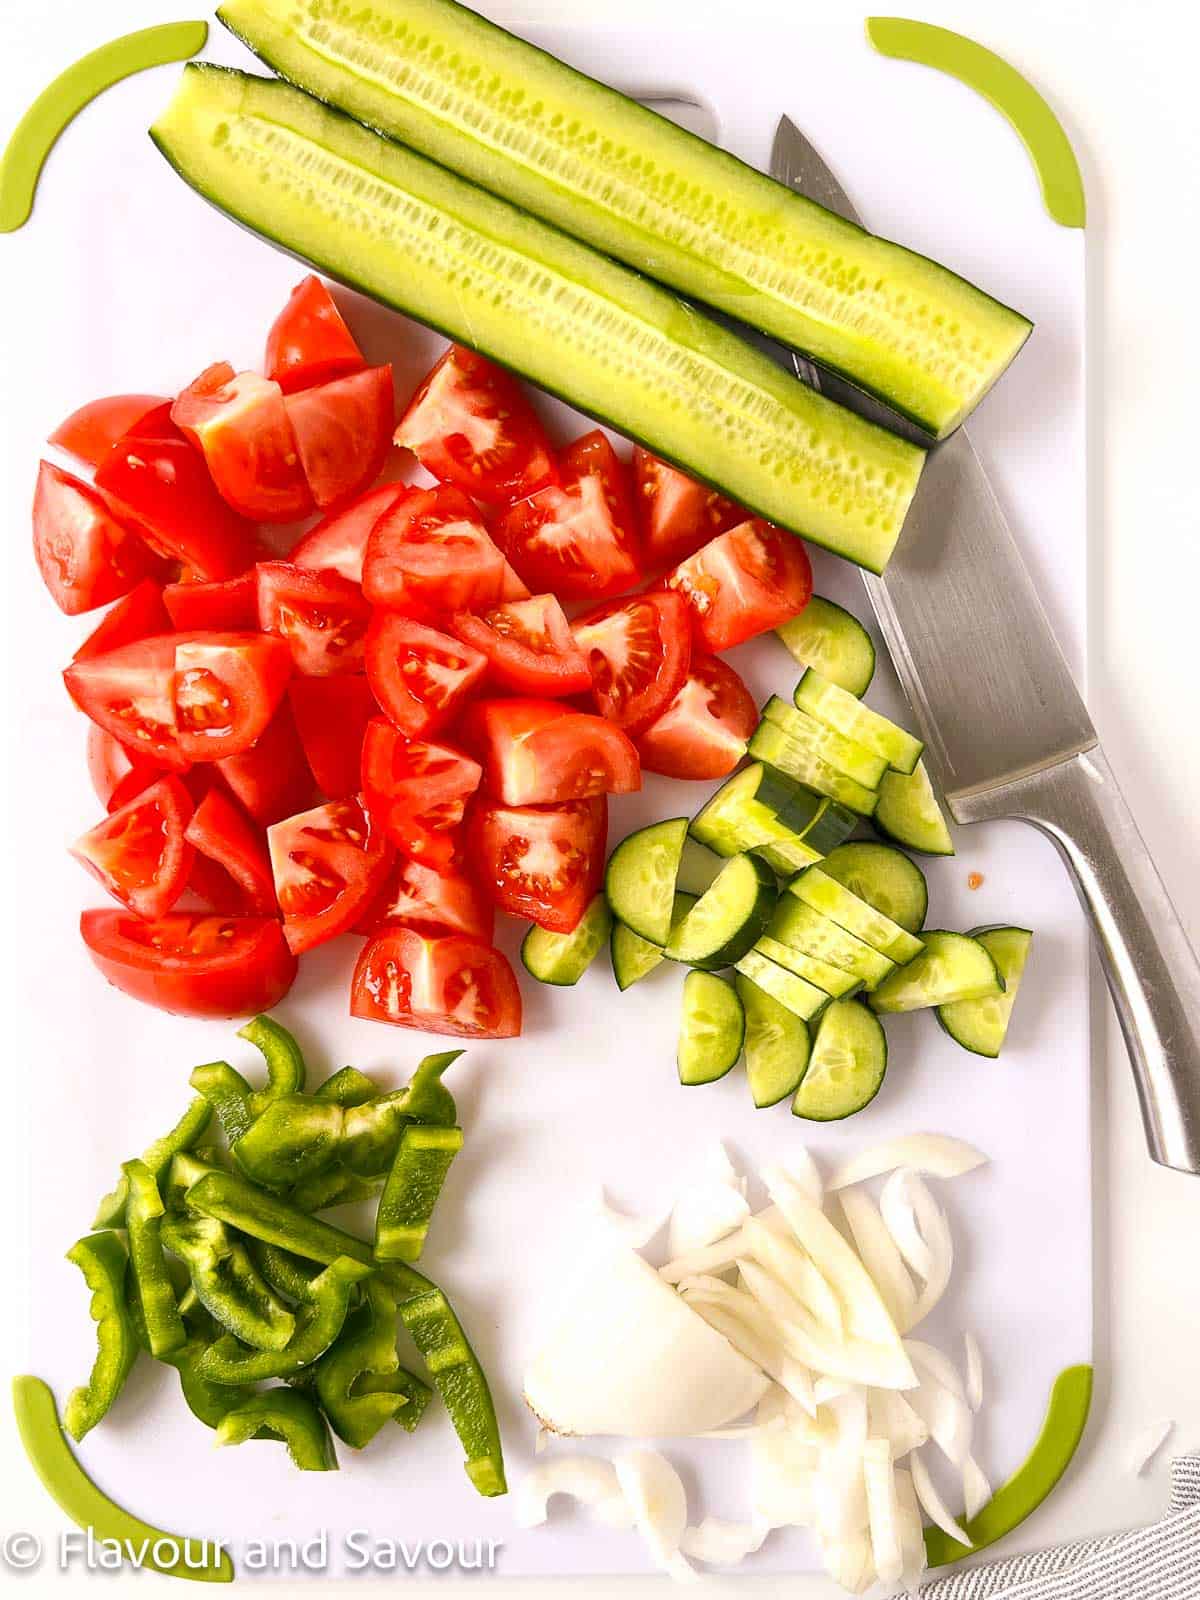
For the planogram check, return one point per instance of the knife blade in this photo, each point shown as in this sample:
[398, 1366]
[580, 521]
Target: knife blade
[1008, 735]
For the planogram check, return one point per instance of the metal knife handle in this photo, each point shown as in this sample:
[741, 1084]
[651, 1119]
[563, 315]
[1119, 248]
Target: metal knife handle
[1151, 968]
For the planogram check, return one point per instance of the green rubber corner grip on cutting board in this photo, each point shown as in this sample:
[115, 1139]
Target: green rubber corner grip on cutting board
[1062, 1429]
[1012, 95]
[173, 1555]
[61, 101]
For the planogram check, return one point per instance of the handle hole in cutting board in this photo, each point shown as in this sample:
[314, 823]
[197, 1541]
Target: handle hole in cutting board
[688, 110]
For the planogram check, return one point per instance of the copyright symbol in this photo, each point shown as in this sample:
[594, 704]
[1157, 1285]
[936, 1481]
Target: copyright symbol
[20, 1551]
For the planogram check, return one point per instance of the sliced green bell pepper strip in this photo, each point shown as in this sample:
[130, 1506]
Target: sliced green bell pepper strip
[429, 1100]
[318, 1323]
[102, 1258]
[417, 1395]
[207, 1401]
[293, 1138]
[287, 1274]
[228, 1093]
[371, 1133]
[286, 1072]
[144, 1213]
[227, 1283]
[286, 1415]
[235, 1200]
[366, 1345]
[187, 1168]
[348, 1087]
[412, 1190]
[157, 1157]
[333, 1187]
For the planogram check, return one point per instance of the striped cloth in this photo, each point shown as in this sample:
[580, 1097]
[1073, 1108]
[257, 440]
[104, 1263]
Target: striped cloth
[1161, 1562]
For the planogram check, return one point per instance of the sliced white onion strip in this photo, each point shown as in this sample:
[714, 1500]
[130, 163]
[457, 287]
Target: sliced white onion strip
[977, 1491]
[796, 1272]
[974, 1371]
[921, 1231]
[723, 1544]
[948, 1418]
[935, 1506]
[634, 1231]
[893, 1418]
[588, 1479]
[704, 1213]
[928, 1359]
[848, 1562]
[655, 1494]
[883, 1512]
[540, 1440]
[912, 1532]
[900, 1218]
[880, 1256]
[740, 1319]
[715, 1258]
[840, 1496]
[808, 1176]
[935, 1154]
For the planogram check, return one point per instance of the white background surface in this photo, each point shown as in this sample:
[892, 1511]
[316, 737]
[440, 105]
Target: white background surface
[1124, 90]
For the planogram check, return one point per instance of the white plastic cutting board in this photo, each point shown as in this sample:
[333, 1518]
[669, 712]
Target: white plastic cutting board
[126, 280]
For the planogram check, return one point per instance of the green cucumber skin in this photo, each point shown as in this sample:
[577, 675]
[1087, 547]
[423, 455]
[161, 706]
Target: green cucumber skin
[600, 190]
[879, 1042]
[735, 1016]
[835, 629]
[544, 305]
[1012, 967]
[861, 861]
[889, 816]
[762, 1010]
[882, 998]
[747, 931]
[634, 958]
[651, 923]
[561, 959]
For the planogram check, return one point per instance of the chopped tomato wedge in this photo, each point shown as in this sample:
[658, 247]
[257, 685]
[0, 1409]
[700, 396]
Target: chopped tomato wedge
[470, 424]
[321, 616]
[338, 543]
[745, 581]
[86, 551]
[309, 341]
[140, 615]
[528, 646]
[541, 862]
[592, 455]
[190, 963]
[210, 883]
[537, 752]
[704, 731]
[238, 423]
[117, 774]
[637, 652]
[676, 514]
[271, 779]
[230, 606]
[90, 433]
[450, 985]
[331, 718]
[416, 791]
[153, 473]
[566, 539]
[227, 689]
[445, 902]
[328, 866]
[432, 553]
[419, 675]
[511, 586]
[130, 692]
[343, 432]
[220, 830]
[139, 852]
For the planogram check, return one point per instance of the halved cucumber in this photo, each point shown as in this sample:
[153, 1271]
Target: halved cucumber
[841, 753]
[563, 958]
[952, 966]
[799, 996]
[846, 1068]
[769, 743]
[727, 918]
[712, 1029]
[908, 812]
[981, 1025]
[885, 878]
[415, 236]
[800, 927]
[633, 957]
[837, 902]
[827, 637]
[835, 981]
[746, 811]
[482, 102]
[777, 1044]
[837, 709]
[639, 882]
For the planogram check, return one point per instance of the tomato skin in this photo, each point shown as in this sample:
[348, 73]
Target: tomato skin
[117, 774]
[343, 432]
[321, 616]
[566, 540]
[140, 852]
[130, 692]
[239, 424]
[192, 964]
[229, 606]
[537, 752]
[271, 779]
[470, 424]
[449, 985]
[742, 583]
[220, 830]
[331, 718]
[338, 543]
[86, 551]
[419, 675]
[309, 341]
[676, 514]
[431, 553]
[227, 688]
[638, 651]
[704, 731]
[328, 865]
[417, 791]
[441, 902]
[89, 433]
[592, 455]
[528, 646]
[544, 863]
[140, 615]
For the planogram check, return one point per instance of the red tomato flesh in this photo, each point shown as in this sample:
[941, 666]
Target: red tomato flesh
[221, 830]
[227, 688]
[470, 424]
[567, 540]
[140, 852]
[432, 553]
[90, 433]
[239, 424]
[528, 645]
[130, 692]
[343, 432]
[637, 652]
[117, 774]
[442, 902]
[537, 752]
[744, 582]
[328, 865]
[419, 675]
[271, 779]
[338, 543]
[448, 985]
[676, 514]
[592, 455]
[704, 731]
[309, 341]
[140, 615]
[416, 791]
[545, 863]
[86, 552]
[230, 606]
[321, 616]
[331, 718]
[192, 964]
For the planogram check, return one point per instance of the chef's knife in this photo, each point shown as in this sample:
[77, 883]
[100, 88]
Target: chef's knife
[1007, 734]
